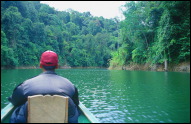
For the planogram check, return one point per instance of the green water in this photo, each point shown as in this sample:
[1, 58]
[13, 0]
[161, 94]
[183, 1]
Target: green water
[119, 96]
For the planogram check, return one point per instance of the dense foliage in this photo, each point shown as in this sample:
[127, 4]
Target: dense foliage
[152, 32]
[30, 28]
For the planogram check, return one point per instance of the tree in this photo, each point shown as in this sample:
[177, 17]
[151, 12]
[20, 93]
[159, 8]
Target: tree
[154, 32]
[30, 28]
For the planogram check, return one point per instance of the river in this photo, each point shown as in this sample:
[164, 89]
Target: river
[120, 96]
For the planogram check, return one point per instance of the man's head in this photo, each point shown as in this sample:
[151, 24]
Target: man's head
[49, 60]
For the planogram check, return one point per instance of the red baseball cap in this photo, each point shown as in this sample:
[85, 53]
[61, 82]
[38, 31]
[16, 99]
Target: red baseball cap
[49, 58]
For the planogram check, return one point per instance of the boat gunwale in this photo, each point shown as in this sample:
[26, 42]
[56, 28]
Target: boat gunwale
[6, 110]
[88, 114]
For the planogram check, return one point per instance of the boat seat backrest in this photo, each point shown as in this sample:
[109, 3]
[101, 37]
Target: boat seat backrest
[47, 109]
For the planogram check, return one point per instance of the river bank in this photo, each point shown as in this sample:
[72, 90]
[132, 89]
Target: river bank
[60, 67]
[32, 67]
[181, 67]
[21, 67]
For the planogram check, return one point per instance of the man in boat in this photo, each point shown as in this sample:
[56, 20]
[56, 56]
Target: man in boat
[47, 82]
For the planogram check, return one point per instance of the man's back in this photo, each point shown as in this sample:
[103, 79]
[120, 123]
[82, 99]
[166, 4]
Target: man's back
[47, 83]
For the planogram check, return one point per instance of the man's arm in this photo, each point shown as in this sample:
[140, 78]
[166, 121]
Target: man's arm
[75, 97]
[18, 97]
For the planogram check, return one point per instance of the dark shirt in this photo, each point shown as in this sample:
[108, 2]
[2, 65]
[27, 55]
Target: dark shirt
[47, 83]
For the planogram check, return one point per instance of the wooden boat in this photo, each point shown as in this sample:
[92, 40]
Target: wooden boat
[85, 117]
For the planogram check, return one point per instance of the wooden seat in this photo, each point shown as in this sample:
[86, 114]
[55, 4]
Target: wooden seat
[47, 109]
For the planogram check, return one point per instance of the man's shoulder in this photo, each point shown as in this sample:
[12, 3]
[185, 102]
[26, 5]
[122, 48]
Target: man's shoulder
[64, 79]
[38, 77]
[25, 81]
[32, 78]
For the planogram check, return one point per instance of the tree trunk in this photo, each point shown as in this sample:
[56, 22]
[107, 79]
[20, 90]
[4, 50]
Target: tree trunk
[165, 65]
[165, 61]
